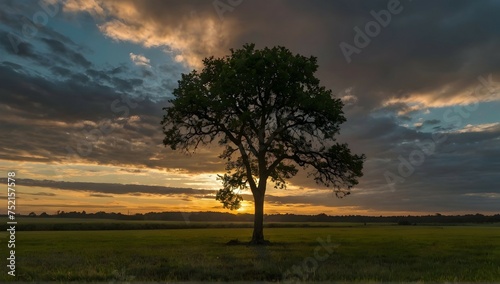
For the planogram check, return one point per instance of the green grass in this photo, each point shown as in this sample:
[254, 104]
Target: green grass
[363, 253]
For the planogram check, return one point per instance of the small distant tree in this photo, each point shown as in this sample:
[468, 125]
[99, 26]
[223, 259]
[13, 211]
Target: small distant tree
[270, 113]
[32, 214]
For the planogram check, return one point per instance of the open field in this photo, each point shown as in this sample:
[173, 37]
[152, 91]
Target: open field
[361, 253]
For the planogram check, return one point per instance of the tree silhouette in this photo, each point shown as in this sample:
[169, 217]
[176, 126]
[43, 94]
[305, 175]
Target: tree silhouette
[268, 111]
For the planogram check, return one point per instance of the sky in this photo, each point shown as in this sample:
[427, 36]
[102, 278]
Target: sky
[83, 84]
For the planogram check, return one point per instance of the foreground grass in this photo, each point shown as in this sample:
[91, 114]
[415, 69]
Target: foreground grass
[368, 253]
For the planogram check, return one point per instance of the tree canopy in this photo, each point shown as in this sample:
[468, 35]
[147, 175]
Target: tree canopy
[271, 115]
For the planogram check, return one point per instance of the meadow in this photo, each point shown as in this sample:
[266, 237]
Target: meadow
[327, 253]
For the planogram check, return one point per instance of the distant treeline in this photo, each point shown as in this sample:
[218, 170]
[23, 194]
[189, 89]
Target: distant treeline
[228, 217]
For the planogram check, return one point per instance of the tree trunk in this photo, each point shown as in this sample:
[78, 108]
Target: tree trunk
[258, 223]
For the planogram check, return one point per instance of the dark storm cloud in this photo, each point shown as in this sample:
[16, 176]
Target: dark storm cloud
[60, 71]
[41, 194]
[67, 101]
[11, 65]
[118, 70]
[447, 179]
[411, 199]
[126, 85]
[67, 104]
[66, 110]
[60, 50]
[110, 188]
[426, 46]
[131, 171]
[100, 195]
[69, 113]
[98, 75]
[24, 49]
[20, 36]
[431, 122]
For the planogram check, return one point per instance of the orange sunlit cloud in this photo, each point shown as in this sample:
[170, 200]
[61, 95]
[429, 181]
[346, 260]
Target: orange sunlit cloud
[190, 40]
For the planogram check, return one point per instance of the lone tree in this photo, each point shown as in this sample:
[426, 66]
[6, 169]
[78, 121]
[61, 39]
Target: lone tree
[268, 111]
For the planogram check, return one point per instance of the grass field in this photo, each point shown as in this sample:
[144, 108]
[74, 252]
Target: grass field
[361, 253]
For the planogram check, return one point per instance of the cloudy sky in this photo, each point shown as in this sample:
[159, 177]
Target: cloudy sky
[83, 84]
